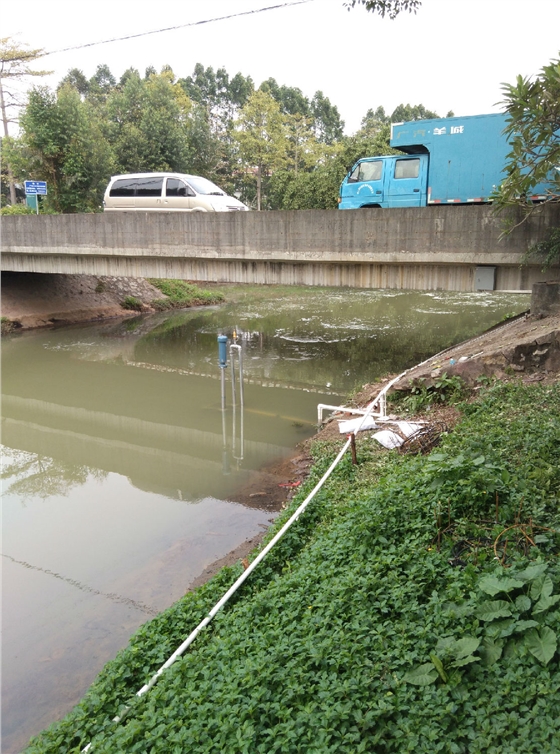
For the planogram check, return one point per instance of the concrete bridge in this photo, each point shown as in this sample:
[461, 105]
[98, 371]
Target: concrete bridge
[455, 248]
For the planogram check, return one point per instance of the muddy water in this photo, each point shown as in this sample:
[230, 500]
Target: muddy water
[121, 469]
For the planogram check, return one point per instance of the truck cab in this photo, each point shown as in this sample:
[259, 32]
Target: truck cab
[389, 181]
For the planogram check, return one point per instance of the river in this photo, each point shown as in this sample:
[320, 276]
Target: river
[122, 471]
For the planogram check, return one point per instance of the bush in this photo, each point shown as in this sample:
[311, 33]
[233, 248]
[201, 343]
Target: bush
[17, 209]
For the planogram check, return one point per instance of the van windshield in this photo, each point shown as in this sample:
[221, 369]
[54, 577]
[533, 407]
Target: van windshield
[204, 186]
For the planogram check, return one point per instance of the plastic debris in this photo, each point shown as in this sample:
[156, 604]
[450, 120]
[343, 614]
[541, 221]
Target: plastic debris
[351, 425]
[388, 439]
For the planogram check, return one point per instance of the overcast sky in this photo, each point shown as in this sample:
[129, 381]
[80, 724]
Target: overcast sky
[451, 55]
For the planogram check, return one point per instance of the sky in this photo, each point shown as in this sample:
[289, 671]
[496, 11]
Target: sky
[452, 55]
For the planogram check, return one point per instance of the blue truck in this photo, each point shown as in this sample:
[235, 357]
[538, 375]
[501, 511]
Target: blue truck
[444, 161]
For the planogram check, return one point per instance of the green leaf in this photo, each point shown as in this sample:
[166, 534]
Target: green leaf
[523, 625]
[423, 675]
[439, 667]
[491, 651]
[545, 602]
[492, 609]
[494, 585]
[542, 585]
[465, 646]
[523, 603]
[532, 572]
[541, 539]
[465, 661]
[542, 645]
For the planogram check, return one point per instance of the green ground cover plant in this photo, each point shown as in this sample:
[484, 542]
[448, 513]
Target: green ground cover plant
[414, 607]
[181, 294]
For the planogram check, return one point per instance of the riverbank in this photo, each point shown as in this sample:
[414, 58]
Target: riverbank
[33, 300]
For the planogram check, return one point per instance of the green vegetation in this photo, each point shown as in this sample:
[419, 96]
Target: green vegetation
[181, 295]
[533, 108]
[414, 607]
[420, 397]
[8, 325]
[16, 209]
[132, 303]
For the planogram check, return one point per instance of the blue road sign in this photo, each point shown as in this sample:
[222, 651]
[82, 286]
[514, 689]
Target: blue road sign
[36, 187]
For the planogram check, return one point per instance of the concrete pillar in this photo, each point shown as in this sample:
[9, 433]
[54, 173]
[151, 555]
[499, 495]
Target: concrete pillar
[545, 298]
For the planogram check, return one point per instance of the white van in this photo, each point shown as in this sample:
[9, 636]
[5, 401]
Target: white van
[154, 192]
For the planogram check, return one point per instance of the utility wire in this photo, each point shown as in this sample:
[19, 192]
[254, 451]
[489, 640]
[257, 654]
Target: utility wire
[179, 26]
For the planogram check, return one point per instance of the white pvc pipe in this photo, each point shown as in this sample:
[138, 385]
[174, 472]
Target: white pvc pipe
[231, 591]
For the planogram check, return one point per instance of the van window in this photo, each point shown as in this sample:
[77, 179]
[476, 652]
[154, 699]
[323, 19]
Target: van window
[175, 187]
[123, 187]
[407, 168]
[149, 186]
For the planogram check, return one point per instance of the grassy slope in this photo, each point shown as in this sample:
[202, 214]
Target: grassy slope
[313, 653]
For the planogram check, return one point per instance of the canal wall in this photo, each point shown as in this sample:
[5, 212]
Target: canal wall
[459, 248]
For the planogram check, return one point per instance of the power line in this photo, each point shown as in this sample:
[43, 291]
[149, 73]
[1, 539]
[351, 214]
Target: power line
[179, 26]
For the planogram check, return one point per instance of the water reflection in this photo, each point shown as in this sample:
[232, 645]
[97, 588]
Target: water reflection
[121, 467]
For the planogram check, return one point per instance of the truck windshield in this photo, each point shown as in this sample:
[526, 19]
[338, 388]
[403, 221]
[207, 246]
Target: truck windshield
[367, 171]
[204, 186]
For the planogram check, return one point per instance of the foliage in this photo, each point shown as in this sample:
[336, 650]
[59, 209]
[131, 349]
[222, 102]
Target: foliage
[546, 251]
[132, 303]
[62, 144]
[17, 209]
[445, 389]
[391, 8]
[360, 631]
[261, 137]
[533, 129]
[15, 62]
[181, 295]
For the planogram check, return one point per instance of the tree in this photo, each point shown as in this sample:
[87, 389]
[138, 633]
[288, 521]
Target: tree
[404, 113]
[328, 125]
[76, 79]
[261, 136]
[391, 8]
[533, 130]
[62, 143]
[147, 123]
[14, 67]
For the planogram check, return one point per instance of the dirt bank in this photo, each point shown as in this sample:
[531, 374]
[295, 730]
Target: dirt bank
[32, 300]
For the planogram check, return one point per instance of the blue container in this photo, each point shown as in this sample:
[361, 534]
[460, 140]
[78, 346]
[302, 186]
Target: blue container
[222, 351]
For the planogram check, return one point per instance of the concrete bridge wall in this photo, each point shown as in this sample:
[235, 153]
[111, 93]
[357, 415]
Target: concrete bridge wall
[443, 247]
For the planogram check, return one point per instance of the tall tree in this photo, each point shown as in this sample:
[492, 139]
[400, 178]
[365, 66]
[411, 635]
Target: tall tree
[533, 129]
[327, 122]
[261, 136]
[147, 123]
[15, 61]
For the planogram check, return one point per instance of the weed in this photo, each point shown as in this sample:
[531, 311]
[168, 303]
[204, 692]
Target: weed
[101, 286]
[181, 294]
[133, 303]
[449, 390]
